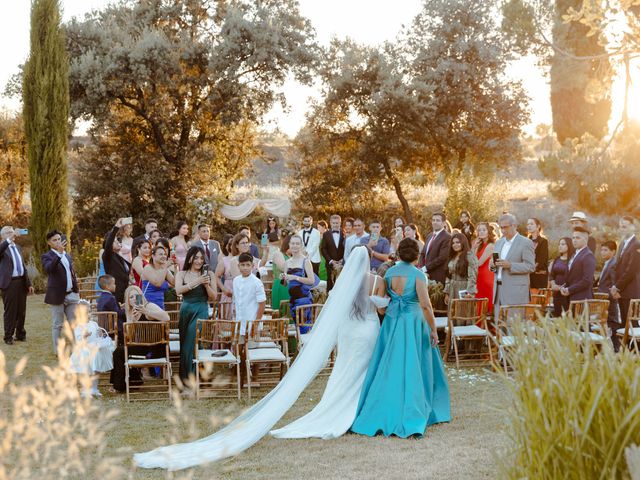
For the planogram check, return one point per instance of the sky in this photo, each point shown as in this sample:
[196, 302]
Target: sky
[367, 21]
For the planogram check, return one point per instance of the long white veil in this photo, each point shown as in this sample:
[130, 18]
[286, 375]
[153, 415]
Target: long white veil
[256, 422]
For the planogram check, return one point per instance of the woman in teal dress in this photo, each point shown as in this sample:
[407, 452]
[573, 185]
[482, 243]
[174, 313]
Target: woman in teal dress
[196, 290]
[405, 389]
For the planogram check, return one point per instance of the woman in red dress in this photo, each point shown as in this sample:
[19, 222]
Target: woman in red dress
[483, 248]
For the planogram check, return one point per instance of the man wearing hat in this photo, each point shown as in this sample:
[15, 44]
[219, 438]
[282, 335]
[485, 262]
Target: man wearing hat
[579, 219]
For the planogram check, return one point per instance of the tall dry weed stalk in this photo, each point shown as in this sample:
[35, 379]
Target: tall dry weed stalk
[574, 407]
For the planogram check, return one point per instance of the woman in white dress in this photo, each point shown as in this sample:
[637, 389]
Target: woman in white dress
[349, 318]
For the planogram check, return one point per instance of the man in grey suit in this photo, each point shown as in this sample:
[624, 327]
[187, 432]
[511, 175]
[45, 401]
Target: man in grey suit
[211, 247]
[516, 260]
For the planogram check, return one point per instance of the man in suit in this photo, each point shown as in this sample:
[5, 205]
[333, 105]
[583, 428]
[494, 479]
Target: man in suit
[579, 219]
[517, 259]
[604, 283]
[311, 241]
[436, 249]
[114, 264]
[582, 268]
[627, 270]
[15, 286]
[150, 225]
[333, 248]
[62, 287]
[211, 247]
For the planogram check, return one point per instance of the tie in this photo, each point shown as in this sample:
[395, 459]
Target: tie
[16, 260]
[206, 251]
[433, 237]
[305, 236]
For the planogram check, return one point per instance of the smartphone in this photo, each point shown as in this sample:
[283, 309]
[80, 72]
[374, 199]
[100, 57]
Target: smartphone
[218, 353]
[127, 220]
[462, 293]
[23, 231]
[374, 237]
[496, 257]
[138, 300]
[63, 238]
[205, 269]
[264, 240]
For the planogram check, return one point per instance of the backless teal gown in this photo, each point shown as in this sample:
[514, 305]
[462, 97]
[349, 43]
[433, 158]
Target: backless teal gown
[405, 389]
[194, 307]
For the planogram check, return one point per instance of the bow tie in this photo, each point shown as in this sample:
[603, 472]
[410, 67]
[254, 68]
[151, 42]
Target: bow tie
[335, 231]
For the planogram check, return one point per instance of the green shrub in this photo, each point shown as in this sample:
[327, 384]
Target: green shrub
[38, 279]
[472, 190]
[573, 410]
[85, 257]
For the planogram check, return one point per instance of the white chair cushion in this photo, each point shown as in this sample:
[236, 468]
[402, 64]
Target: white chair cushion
[174, 336]
[441, 322]
[291, 330]
[204, 356]
[210, 312]
[141, 362]
[262, 345]
[175, 330]
[594, 337]
[263, 354]
[633, 332]
[174, 346]
[469, 331]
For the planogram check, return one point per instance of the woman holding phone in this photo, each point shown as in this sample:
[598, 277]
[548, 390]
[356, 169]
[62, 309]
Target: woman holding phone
[156, 277]
[126, 240]
[197, 289]
[483, 246]
[462, 272]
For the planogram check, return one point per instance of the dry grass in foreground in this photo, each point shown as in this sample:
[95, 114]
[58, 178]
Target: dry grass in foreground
[464, 448]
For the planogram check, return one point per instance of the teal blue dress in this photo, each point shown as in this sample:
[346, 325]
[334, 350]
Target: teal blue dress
[405, 389]
[194, 307]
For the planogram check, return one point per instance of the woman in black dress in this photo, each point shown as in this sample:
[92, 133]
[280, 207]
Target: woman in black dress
[539, 278]
[558, 273]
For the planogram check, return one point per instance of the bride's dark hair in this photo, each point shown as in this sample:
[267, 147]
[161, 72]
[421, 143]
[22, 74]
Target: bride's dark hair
[361, 302]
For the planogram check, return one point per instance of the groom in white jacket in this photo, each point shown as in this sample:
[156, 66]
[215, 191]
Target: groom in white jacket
[311, 241]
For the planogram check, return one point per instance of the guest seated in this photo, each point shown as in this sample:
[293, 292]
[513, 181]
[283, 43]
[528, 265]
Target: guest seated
[107, 300]
[299, 278]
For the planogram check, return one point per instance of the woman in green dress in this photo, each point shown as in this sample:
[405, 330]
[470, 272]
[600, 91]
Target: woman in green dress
[197, 291]
[279, 290]
[322, 270]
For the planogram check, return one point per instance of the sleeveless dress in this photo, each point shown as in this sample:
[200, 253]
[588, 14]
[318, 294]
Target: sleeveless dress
[299, 294]
[485, 279]
[559, 273]
[335, 412]
[279, 291]
[406, 388]
[194, 306]
[181, 254]
[136, 276]
[154, 294]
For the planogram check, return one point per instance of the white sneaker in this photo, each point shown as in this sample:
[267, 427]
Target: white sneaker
[95, 392]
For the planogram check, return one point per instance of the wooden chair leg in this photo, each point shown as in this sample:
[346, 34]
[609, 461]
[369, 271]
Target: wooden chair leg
[197, 381]
[169, 379]
[455, 349]
[447, 345]
[238, 378]
[248, 379]
[126, 380]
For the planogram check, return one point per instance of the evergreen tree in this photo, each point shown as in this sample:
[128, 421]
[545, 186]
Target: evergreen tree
[46, 112]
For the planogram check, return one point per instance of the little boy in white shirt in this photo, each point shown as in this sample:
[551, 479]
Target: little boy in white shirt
[249, 297]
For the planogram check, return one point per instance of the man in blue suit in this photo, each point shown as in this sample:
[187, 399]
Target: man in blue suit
[582, 268]
[15, 286]
[62, 287]
[605, 282]
[626, 285]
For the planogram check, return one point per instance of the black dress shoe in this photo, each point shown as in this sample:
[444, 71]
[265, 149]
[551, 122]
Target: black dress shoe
[23, 339]
[9, 341]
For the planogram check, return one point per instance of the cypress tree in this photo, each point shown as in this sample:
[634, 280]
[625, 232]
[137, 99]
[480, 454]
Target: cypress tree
[46, 112]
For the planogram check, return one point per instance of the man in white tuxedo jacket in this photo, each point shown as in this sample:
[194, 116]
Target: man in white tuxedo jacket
[311, 242]
[517, 259]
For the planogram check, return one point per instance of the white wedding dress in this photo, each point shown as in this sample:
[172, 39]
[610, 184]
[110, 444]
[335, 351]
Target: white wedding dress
[333, 415]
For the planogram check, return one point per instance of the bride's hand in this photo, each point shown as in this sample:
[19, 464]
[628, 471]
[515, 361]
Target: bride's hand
[434, 338]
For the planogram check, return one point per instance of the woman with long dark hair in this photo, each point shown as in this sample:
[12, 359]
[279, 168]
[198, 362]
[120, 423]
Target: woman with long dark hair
[558, 273]
[141, 251]
[156, 276]
[462, 271]
[540, 277]
[483, 246]
[272, 226]
[466, 226]
[180, 243]
[197, 290]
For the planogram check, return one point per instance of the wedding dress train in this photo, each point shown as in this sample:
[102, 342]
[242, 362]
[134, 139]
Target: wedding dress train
[251, 426]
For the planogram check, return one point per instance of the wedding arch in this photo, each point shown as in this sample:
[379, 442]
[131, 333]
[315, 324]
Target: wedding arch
[277, 207]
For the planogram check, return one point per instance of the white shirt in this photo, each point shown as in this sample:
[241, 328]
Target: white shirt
[574, 257]
[506, 246]
[67, 266]
[248, 292]
[336, 238]
[18, 271]
[351, 241]
[311, 243]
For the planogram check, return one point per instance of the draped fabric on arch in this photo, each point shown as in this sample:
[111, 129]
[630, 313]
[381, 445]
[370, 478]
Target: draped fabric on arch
[277, 207]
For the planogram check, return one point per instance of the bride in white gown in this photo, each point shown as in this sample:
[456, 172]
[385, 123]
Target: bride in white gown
[348, 318]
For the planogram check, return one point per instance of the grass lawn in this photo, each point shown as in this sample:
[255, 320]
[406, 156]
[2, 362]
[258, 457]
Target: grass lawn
[464, 448]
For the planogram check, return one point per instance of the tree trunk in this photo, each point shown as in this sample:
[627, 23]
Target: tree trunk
[406, 209]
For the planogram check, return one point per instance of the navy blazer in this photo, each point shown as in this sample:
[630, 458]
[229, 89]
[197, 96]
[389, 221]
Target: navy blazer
[581, 275]
[6, 266]
[437, 258]
[607, 276]
[627, 277]
[57, 277]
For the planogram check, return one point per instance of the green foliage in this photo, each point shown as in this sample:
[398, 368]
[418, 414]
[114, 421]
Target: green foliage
[175, 90]
[574, 407]
[14, 167]
[471, 189]
[46, 111]
[595, 179]
[85, 257]
[38, 279]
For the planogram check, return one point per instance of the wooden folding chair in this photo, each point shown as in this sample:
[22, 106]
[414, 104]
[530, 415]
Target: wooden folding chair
[305, 318]
[217, 345]
[630, 333]
[538, 299]
[86, 283]
[108, 321]
[548, 304]
[592, 316]
[172, 306]
[600, 296]
[464, 314]
[508, 316]
[174, 335]
[147, 334]
[267, 331]
[89, 295]
[225, 311]
[267, 292]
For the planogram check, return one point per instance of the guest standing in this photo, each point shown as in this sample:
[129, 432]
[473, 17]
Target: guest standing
[605, 282]
[411, 231]
[156, 277]
[436, 250]
[538, 279]
[311, 242]
[15, 286]
[62, 287]
[348, 227]
[114, 264]
[253, 248]
[150, 225]
[627, 271]
[107, 301]
[279, 291]
[211, 247]
[582, 268]
[333, 249]
[126, 242]
[483, 247]
[579, 219]
[197, 290]
[249, 297]
[466, 226]
[559, 271]
[181, 243]
[223, 272]
[142, 253]
[356, 238]
[379, 246]
[272, 226]
[462, 270]
[322, 227]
